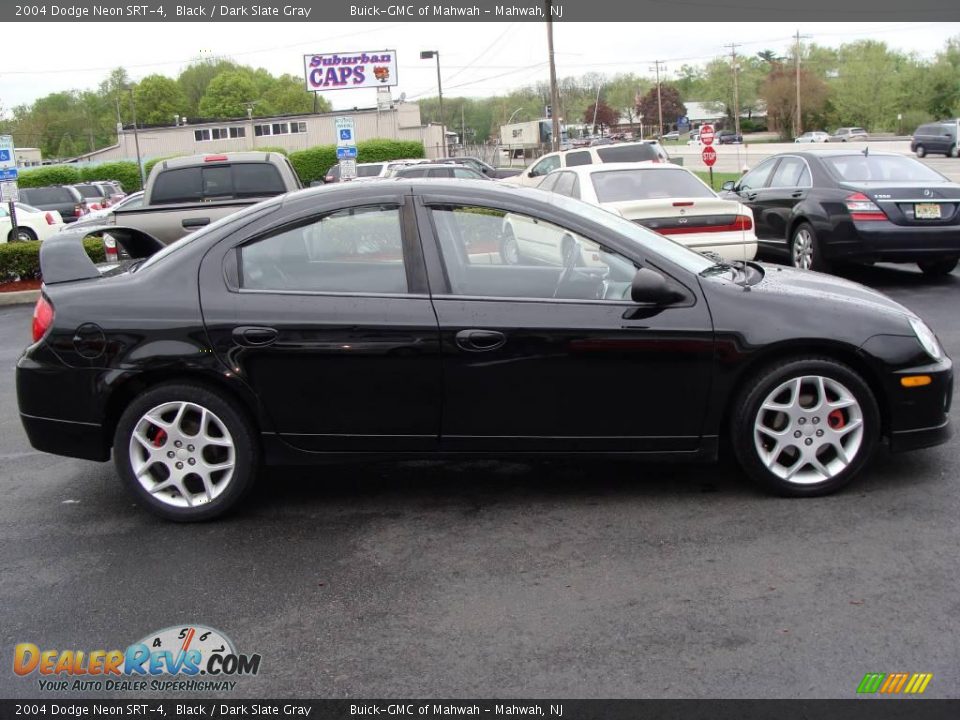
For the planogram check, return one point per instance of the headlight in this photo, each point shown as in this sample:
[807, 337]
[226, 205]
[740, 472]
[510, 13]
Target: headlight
[927, 339]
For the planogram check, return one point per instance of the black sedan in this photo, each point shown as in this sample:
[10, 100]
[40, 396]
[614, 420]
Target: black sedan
[384, 319]
[728, 137]
[856, 207]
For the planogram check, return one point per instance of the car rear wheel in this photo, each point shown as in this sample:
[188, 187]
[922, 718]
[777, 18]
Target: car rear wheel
[805, 251]
[921, 151]
[938, 267]
[185, 452]
[806, 427]
[953, 152]
[24, 234]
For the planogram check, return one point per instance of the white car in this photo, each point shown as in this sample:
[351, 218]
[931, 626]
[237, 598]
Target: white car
[642, 151]
[665, 198]
[32, 223]
[133, 201]
[814, 136]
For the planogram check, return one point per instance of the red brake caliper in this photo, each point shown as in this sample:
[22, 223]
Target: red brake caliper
[161, 437]
[836, 420]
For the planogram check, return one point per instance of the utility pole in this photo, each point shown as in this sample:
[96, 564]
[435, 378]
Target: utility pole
[736, 89]
[656, 67]
[798, 124]
[136, 139]
[554, 93]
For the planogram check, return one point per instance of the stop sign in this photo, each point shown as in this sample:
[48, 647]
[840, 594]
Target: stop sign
[709, 156]
[706, 134]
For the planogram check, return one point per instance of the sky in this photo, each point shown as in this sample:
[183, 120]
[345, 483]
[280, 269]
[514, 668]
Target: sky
[476, 59]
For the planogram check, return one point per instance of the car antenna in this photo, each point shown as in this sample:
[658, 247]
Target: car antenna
[866, 151]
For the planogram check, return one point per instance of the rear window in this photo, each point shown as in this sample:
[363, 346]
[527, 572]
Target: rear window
[581, 157]
[48, 195]
[624, 185]
[369, 170]
[628, 153]
[88, 191]
[881, 168]
[217, 182]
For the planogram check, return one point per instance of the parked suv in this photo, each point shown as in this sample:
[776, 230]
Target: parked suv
[65, 199]
[939, 137]
[96, 196]
[848, 133]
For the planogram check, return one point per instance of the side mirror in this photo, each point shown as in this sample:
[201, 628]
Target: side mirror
[651, 288]
[728, 185]
[530, 174]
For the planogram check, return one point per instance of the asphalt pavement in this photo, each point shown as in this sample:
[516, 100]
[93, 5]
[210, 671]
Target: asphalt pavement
[494, 578]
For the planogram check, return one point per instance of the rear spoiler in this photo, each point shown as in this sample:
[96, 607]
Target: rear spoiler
[63, 258]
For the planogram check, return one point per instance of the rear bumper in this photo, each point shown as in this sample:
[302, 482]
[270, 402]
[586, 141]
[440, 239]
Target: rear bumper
[63, 437]
[886, 242]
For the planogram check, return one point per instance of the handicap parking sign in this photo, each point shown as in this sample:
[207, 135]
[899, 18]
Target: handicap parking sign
[346, 134]
[5, 155]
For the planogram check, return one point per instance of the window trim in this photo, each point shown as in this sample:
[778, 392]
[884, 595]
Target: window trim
[413, 258]
[776, 169]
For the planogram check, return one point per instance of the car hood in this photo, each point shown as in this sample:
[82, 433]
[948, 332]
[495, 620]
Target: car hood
[820, 288]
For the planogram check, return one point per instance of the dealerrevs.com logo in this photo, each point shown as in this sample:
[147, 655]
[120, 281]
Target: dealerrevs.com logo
[176, 659]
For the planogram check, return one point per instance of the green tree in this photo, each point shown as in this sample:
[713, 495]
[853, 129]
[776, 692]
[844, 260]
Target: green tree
[228, 95]
[865, 91]
[286, 94]
[158, 99]
[197, 76]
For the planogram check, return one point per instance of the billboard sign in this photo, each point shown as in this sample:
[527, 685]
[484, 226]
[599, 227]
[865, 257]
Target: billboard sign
[350, 71]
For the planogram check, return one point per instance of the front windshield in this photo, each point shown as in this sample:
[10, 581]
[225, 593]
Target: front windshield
[673, 251]
[881, 168]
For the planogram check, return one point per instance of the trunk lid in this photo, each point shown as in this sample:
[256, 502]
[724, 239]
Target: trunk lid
[912, 203]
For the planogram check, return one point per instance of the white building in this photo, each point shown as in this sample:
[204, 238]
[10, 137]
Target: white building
[291, 132]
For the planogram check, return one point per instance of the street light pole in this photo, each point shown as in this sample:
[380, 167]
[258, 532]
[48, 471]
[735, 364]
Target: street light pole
[426, 55]
[657, 64]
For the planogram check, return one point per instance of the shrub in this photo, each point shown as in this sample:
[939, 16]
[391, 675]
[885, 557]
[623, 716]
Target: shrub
[22, 259]
[51, 175]
[148, 165]
[311, 164]
[125, 171]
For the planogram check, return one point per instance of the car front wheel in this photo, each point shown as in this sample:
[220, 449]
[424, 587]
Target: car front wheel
[186, 452]
[806, 428]
[921, 151]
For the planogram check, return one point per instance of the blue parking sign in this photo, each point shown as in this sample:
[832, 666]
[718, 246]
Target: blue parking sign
[346, 134]
[5, 155]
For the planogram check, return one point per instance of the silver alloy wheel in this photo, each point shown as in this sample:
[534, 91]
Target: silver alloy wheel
[808, 429]
[802, 249]
[511, 251]
[182, 454]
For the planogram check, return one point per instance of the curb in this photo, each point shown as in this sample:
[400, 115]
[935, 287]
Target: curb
[21, 297]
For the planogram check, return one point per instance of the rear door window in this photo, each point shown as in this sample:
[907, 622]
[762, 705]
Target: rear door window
[627, 153]
[180, 185]
[581, 157]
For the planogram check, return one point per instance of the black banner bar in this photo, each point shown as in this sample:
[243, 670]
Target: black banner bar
[407, 709]
[479, 11]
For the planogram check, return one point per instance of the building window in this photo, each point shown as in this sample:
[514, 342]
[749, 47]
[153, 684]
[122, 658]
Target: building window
[219, 133]
[279, 128]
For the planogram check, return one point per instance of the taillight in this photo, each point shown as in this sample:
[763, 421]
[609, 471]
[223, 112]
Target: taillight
[78, 210]
[42, 318]
[50, 220]
[741, 223]
[863, 208]
[215, 158]
[110, 249]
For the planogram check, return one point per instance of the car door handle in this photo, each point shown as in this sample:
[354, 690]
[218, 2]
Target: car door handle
[751, 196]
[195, 222]
[480, 340]
[797, 194]
[254, 336]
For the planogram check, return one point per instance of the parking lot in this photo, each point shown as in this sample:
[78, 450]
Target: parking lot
[483, 578]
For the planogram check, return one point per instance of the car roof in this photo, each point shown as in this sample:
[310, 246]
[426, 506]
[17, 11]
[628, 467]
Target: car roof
[584, 170]
[231, 157]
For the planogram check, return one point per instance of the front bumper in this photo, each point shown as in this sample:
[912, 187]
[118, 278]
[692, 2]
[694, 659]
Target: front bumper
[920, 416]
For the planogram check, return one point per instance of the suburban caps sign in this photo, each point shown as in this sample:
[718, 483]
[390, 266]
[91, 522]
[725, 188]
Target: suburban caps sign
[347, 71]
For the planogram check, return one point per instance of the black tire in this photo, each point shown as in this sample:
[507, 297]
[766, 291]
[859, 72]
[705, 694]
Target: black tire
[24, 234]
[921, 151]
[246, 450]
[952, 153]
[818, 262]
[938, 267]
[748, 405]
